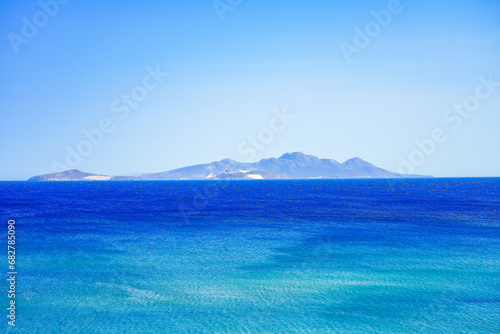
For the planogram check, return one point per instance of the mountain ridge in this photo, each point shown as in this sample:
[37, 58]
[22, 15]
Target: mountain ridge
[295, 165]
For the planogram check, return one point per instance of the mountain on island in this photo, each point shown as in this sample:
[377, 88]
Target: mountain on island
[289, 166]
[76, 175]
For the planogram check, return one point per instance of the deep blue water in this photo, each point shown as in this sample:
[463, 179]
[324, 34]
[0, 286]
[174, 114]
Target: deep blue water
[336, 256]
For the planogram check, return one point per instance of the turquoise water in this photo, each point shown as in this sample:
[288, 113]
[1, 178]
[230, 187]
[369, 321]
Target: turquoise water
[346, 256]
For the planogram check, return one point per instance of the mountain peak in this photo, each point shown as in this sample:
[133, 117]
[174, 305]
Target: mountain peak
[74, 170]
[227, 161]
[354, 160]
[295, 155]
[357, 163]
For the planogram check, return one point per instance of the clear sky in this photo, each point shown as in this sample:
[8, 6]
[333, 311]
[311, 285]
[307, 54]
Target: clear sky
[361, 78]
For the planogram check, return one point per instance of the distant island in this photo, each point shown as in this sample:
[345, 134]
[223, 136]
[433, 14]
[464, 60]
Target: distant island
[295, 165]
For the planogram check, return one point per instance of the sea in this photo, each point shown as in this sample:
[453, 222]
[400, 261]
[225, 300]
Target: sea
[252, 256]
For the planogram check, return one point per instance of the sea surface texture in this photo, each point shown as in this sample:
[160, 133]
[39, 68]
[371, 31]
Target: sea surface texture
[311, 256]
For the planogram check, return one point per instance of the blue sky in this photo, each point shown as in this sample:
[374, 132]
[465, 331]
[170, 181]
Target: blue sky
[232, 67]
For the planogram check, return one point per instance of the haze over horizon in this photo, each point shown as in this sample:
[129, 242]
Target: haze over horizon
[121, 88]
